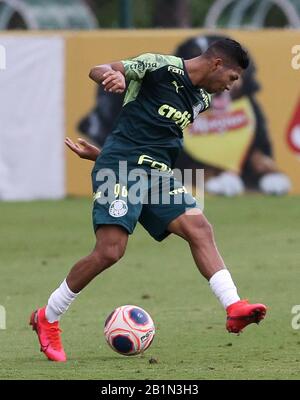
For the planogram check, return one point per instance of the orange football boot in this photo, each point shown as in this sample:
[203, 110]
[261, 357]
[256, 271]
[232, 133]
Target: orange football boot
[241, 314]
[48, 335]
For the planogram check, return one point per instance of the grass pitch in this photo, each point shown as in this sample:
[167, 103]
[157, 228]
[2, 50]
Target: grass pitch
[259, 239]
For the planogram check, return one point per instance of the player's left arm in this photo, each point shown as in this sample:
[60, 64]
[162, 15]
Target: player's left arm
[83, 149]
[111, 76]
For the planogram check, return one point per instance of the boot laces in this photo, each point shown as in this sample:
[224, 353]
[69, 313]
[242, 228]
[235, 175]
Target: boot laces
[53, 332]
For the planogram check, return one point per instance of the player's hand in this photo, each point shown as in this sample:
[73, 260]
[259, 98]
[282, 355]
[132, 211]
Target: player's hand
[83, 149]
[114, 82]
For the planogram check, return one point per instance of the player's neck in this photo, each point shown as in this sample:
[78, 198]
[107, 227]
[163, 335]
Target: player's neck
[197, 69]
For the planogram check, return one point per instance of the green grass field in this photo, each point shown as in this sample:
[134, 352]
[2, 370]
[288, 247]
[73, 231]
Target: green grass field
[259, 239]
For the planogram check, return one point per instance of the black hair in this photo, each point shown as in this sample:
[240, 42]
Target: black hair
[196, 46]
[230, 50]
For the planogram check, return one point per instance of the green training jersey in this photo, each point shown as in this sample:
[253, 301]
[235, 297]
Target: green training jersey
[160, 102]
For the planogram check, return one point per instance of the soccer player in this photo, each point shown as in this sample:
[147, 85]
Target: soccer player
[164, 94]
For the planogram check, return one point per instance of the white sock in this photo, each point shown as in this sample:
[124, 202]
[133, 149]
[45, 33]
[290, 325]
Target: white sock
[59, 302]
[223, 287]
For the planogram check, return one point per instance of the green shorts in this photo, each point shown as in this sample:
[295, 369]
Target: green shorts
[128, 195]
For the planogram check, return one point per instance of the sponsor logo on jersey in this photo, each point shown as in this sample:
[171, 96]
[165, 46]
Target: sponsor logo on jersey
[142, 65]
[144, 159]
[118, 208]
[175, 70]
[205, 97]
[202, 105]
[177, 87]
[178, 191]
[182, 119]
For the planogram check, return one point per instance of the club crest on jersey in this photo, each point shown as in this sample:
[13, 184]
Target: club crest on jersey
[118, 208]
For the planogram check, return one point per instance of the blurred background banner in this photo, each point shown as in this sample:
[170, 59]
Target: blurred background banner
[249, 140]
[32, 118]
[268, 118]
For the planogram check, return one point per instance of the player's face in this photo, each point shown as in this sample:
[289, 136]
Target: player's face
[222, 78]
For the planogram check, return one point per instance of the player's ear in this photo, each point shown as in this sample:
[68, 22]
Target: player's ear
[215, 63]
[218, 63]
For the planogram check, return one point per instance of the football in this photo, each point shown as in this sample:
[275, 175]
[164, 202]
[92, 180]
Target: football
[129, 330]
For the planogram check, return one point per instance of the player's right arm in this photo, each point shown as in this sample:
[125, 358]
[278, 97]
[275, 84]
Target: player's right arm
[115, 76]
[111, 76]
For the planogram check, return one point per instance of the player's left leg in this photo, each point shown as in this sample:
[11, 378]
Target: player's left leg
[193, 226]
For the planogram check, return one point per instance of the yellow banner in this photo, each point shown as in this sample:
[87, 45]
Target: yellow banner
[222, 139]
[279, 97]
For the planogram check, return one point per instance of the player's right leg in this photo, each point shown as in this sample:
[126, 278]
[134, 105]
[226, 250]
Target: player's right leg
[111, 241]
